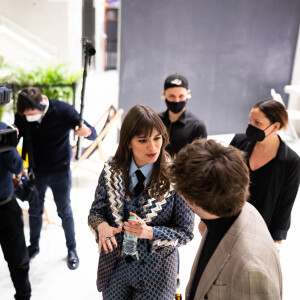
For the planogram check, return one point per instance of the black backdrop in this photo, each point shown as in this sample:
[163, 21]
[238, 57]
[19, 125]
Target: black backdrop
[232, 52]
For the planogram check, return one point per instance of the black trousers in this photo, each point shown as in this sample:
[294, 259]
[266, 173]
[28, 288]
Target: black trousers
[60, 184]
[14, 248]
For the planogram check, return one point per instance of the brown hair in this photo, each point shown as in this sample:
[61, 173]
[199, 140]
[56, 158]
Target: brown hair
[212, 176]
[141, 120]
[28, 98]
[274, 111]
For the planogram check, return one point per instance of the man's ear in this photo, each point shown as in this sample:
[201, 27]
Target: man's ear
[189, 96]
[163, 95]
[277, 126]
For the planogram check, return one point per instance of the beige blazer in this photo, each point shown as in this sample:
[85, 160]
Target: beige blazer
[245, 264]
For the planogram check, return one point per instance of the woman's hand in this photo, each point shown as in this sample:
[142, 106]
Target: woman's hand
[138, 227]
[107, 240]
[277, 245]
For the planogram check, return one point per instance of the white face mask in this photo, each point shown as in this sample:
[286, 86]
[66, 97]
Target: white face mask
[34, 118]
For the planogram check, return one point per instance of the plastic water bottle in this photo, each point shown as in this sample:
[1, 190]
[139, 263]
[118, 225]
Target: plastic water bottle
[129, 242]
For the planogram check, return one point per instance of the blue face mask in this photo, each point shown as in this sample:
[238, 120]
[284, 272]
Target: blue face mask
[255, 134]
[175, 107]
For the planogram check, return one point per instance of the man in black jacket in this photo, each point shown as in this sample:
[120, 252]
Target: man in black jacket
[45, 125]
[182, 125]
[12, 238]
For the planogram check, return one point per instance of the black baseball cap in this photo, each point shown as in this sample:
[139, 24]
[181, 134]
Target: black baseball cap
[175, 80]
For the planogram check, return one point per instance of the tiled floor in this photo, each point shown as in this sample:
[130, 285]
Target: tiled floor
[52, 280]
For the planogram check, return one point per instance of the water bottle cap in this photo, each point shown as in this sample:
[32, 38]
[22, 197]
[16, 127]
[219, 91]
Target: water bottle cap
[132, 217]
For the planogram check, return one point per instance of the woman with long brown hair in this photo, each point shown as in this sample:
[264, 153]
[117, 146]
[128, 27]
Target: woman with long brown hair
[135, 182]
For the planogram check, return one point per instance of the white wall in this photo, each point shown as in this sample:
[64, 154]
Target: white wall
[294, 98]
[57, 22]
[99, 34]
[294, 102]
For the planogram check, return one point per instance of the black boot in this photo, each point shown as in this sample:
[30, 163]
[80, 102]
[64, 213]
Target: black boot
[73, 260]
[33, 251]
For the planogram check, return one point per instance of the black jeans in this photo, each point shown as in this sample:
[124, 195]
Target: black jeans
[60, 183]
[14, 249]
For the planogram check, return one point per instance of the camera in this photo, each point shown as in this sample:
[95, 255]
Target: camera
[5, 91]
[25, 181]
[8, 136]
[26, 191]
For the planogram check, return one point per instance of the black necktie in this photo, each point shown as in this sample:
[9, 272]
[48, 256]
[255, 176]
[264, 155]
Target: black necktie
[140, 185]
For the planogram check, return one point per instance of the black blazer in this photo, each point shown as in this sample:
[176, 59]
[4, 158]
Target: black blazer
[283, 187]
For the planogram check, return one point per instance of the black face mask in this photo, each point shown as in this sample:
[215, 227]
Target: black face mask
[175, 107]
[255, 134]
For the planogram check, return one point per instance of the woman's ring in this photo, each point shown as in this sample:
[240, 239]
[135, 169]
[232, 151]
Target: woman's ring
[140, 222]
[108, 237]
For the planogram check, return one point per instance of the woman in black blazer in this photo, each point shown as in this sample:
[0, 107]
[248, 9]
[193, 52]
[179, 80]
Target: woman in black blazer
[274, 167]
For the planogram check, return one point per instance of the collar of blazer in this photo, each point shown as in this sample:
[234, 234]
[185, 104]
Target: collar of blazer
[221, 254]
[115, 193]
[247, 146]
[117, 197]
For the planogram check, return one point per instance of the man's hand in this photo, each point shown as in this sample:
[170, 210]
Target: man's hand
[17, 130]
[18, 176]
[83, 131]
[23, 173]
